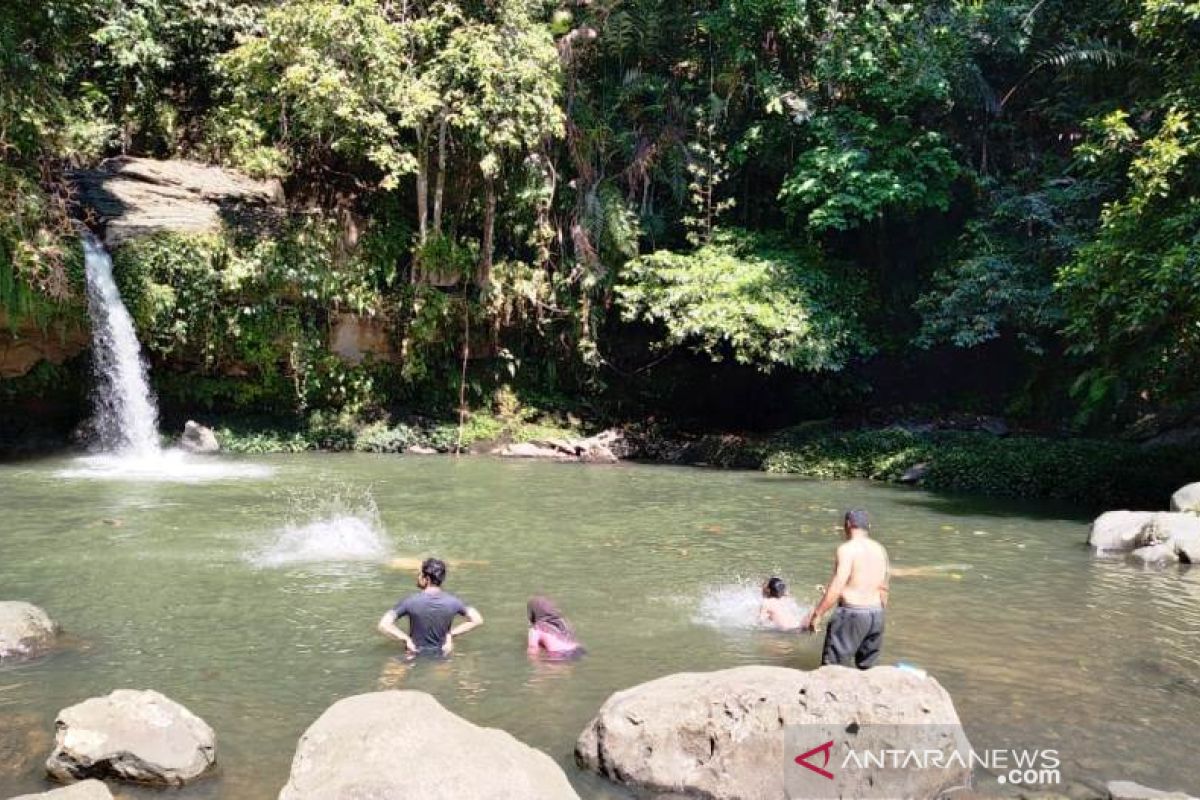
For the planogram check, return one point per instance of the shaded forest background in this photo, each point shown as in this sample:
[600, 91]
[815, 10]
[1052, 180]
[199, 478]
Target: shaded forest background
[729, 214]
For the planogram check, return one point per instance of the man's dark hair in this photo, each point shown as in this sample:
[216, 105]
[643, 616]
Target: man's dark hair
[434, 570]
[776, 587]
[858, 518]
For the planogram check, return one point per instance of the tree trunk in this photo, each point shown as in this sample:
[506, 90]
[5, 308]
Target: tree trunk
[440, 187]
[489, 226]
[422, 183]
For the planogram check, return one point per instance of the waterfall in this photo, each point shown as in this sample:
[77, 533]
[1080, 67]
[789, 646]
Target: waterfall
[126, 417]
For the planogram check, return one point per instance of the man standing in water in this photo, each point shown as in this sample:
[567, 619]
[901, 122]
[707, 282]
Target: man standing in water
[430, 613]
[859, 588]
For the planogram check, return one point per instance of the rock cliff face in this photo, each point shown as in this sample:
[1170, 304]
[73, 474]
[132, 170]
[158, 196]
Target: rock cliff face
[24, 344]
[131, 197]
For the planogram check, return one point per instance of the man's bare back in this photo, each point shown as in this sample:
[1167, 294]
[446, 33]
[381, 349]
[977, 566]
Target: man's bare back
[867, 584]
[857, 594]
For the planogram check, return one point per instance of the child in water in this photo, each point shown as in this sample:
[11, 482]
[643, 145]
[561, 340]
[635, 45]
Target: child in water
[549, 630]
[778, 610]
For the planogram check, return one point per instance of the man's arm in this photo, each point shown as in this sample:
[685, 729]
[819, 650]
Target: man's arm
[887, 580]
[387, 626]
[474, 620]
[841, 574]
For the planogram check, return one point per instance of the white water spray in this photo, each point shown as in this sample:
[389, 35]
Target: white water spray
[341, 528]
[125, 414]
[734, 606]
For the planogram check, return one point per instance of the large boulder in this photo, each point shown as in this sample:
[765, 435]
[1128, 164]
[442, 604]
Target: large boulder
[721, 735]
[405, 746]
[134, 197]
[85, 790]
[26, 631]
[199, 439]
[1118, 531]
[130, 735]
[1128, 790]
[1134, 531]
[1187, 499]
[606, 447]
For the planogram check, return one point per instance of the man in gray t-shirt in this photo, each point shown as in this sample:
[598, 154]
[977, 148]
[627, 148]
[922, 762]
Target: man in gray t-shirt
[430, 613]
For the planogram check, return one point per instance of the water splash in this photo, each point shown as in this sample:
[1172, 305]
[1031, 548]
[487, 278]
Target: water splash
[126, 417]
[343, 529]
[734, 606]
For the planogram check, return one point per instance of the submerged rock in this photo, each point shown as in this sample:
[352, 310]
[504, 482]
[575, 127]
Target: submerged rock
[1128, 790]
[1155, 554]
[406, 746]
[1187, 499]
[26, 631]
[131, 735]
[198, 438]
[720, 735]
[85, 790]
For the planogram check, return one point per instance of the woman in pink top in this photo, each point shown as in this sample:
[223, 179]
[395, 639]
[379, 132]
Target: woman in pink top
[549, 630]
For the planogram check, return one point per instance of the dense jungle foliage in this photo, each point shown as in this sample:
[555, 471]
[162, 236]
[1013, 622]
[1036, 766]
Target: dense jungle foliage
[580, 200]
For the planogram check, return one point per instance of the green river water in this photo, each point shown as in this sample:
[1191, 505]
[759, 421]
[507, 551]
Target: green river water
[253, 601]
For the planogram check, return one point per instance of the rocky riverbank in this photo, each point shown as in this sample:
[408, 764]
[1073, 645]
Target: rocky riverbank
[1092, 474]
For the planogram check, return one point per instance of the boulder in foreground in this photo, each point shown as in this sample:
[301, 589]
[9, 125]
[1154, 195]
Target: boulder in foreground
[26, 631]
[406, 746]
[720, 735]
[129, 735]
[1128, 790]
[85, 790]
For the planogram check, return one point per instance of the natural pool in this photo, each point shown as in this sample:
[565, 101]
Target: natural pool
[252, 600]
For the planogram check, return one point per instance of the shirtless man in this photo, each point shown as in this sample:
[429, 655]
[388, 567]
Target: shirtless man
[859, 588]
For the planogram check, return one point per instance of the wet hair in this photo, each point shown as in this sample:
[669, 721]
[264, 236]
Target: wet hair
[775, 587]
[858, 518]
[545, 615]
[434, 570]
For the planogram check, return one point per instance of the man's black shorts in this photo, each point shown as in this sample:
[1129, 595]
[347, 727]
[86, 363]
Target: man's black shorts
[854, 632]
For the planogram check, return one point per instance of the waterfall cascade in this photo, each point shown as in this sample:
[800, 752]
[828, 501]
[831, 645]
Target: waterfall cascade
[126, 417]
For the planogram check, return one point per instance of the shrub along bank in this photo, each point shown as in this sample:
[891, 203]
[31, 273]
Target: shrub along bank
[1092, 473]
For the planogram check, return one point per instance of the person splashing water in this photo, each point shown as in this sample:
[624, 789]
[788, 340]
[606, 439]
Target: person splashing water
[778, 610]
[549, 630]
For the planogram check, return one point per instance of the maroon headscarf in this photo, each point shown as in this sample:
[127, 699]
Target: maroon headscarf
[545, 616]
